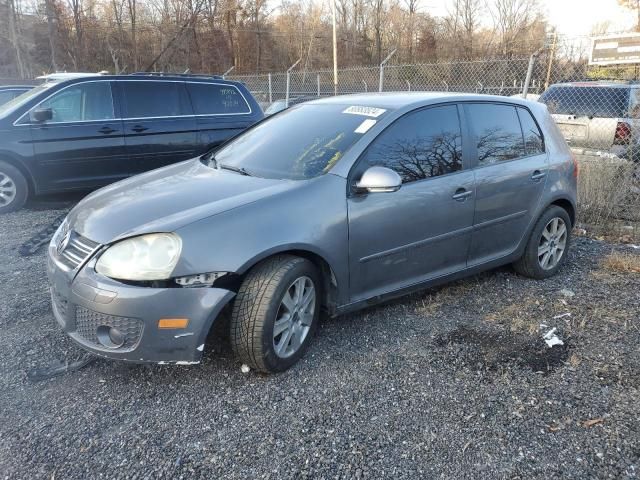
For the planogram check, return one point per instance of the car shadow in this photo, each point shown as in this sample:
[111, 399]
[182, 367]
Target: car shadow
[58, 201]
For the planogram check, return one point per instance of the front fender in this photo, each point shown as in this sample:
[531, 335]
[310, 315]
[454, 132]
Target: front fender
[312, 218]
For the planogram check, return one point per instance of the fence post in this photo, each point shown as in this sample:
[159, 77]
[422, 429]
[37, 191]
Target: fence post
[270, 90]
[408, 85]
[381, 81]
[527, 80]
[286, 102]
[366, 88]
[228, 72]
[318, 84]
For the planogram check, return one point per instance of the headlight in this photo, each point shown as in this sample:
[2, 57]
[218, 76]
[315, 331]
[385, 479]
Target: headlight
[147, 257]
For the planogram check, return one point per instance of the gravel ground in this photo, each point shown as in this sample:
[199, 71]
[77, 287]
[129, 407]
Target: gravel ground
[449, 383]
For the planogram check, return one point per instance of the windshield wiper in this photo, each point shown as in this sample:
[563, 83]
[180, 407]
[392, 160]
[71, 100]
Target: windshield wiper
[240, 170]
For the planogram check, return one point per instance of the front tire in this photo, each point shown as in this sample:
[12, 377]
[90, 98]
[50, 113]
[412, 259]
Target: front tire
[275, 313]
[547, 248]
[13, 188]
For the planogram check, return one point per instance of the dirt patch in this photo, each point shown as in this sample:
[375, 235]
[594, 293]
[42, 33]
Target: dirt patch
[494, 350]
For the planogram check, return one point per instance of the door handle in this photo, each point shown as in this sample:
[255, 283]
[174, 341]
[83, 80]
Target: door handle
[461, 194]
[106, 130]
[537, 175]
[139, 128]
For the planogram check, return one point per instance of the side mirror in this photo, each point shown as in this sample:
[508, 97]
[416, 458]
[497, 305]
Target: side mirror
[40, 115]
[379, 179]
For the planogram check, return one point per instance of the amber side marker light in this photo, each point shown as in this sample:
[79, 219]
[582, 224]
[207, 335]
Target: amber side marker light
[173, 323]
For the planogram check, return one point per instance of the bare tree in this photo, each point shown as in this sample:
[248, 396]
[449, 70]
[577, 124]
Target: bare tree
[133, 13]
[632, 5]
[512, 18]
[14, 37]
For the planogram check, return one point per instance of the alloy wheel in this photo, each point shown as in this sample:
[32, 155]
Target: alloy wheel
[7, 189]
[553, 243]
[294, 317]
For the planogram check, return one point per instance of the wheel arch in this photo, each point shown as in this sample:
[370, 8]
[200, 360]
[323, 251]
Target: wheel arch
[567, 205]
[17, 164]
[327, 272]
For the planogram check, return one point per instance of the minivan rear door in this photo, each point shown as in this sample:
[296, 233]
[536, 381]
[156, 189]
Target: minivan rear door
[82, 145]
[159, 125]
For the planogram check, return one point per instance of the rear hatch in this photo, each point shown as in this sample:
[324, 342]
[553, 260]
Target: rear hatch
[587, 114]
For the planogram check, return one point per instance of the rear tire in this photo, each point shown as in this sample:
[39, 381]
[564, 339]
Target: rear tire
[548, 245]
[14, 189]
[275, 313]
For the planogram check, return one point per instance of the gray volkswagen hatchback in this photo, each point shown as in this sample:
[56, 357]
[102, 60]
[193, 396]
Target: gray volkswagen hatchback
[331, 205]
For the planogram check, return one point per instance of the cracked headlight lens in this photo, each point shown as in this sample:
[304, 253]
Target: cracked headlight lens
[147, 257]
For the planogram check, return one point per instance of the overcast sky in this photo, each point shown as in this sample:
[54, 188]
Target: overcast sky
[571, 17]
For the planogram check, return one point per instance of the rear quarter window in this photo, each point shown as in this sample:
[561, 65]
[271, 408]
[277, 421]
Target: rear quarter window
[533, 141]
[216, 99]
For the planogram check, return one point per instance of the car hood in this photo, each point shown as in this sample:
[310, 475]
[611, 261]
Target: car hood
[166, 199]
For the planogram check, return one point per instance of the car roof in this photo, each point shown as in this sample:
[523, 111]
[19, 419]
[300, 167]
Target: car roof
[396, 100]
[156, 78]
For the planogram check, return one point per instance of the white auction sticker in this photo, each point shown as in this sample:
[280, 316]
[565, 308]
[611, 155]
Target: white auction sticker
[366, 111]
[365, 125]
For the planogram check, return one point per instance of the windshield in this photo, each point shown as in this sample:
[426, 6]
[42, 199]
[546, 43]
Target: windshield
[596, 101]
[11, 105]
[302, 142]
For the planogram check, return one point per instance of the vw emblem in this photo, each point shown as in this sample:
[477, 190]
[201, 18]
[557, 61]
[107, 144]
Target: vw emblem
[62, 244]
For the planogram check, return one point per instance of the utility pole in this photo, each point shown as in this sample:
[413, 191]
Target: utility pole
[551, 55]
[335, 49]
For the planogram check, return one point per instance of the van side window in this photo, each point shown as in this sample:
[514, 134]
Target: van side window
[212, 99]
[420, 145]
[497, 132]
[81, 102]
[154, 99]
[533, 143]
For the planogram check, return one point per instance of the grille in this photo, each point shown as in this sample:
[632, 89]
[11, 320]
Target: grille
[88, 321]
[77, 250]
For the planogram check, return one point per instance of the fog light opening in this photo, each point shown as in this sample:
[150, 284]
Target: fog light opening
[110, 337]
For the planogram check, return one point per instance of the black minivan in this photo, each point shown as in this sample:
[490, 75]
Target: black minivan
[90, 131]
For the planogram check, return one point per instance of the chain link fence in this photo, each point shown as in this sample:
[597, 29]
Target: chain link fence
[597, 109]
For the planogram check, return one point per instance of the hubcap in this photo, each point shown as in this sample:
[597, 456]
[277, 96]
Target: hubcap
[553, 243]
[294, 317]
[7, 189]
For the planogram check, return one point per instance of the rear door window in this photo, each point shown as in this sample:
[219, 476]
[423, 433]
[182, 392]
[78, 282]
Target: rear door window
[596, 101]
[496, 132]
[155, 99]
[216, 99]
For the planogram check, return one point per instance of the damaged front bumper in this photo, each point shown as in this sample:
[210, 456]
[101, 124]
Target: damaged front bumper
[120, 321]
